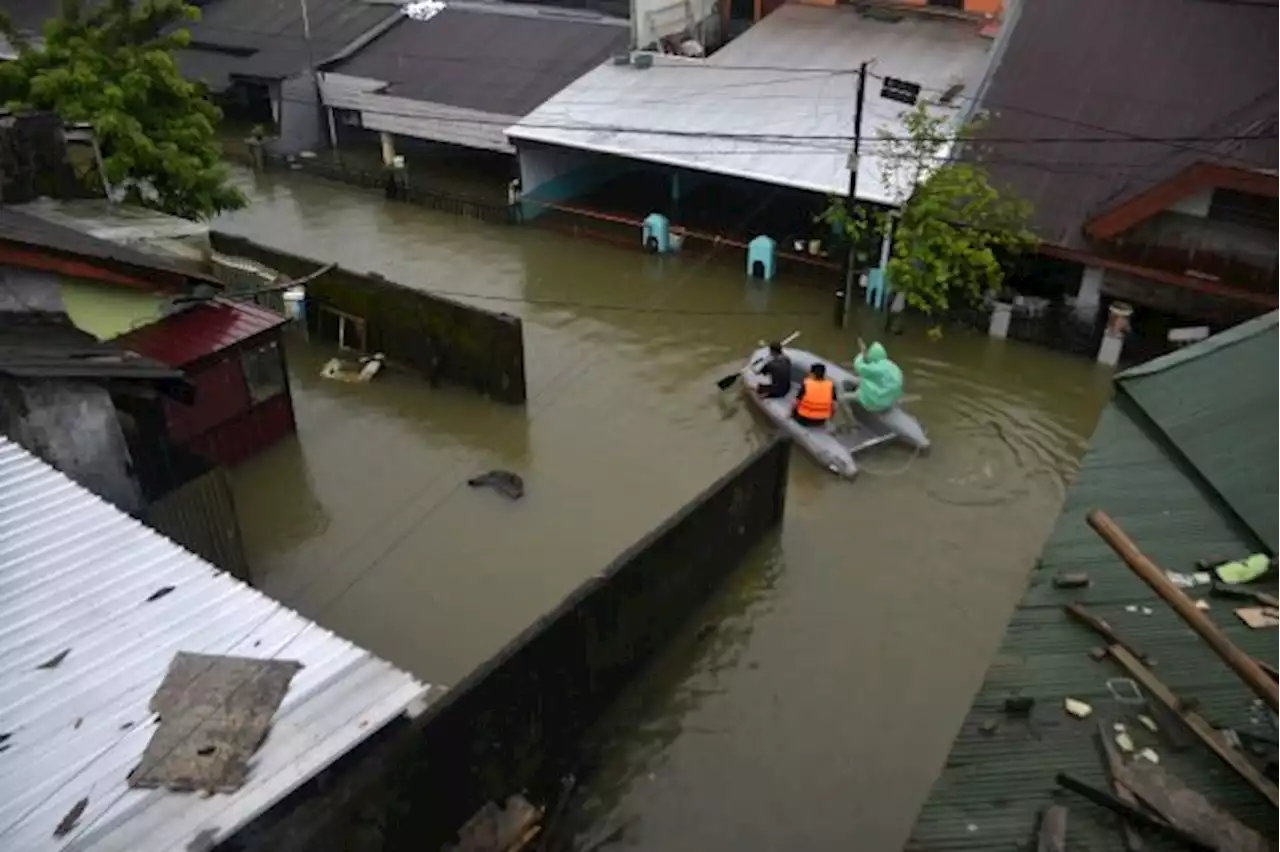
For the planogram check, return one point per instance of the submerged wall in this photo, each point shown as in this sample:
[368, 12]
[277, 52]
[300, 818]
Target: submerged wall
[514, 724]
[550, 174]
[443, 339]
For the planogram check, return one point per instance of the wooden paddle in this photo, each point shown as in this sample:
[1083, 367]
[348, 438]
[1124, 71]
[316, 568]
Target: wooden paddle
[727, 382]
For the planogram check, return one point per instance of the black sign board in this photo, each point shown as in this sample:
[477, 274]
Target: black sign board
[902, 91]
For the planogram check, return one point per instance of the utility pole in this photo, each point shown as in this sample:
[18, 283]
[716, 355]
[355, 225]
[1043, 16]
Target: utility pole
[845, 295]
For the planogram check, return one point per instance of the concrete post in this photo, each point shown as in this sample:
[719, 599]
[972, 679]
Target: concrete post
[1115, 333]
[388, 148]
[1089, 295]
[1000, 319]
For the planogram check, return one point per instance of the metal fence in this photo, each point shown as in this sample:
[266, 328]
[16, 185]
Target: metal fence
[432, 199]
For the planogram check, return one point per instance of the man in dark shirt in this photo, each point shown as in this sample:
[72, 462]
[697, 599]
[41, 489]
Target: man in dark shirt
[778, 371]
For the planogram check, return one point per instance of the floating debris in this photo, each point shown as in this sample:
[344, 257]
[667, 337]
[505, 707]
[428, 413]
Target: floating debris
[1125, 742]
[1148, 723]
[1077, 708]
[1149, 754]
[1073, 580]
[505, 482]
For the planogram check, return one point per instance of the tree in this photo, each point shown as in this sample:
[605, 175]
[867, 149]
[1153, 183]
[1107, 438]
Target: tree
[113, 67]
[951, 228]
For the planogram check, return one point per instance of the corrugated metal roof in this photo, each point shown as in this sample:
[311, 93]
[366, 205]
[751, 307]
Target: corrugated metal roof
[199, 331]
[994, 786]
[758, 87]
[75, 575]
[1217, 403]
[264, 38]
[1077, 69]
[499, 59]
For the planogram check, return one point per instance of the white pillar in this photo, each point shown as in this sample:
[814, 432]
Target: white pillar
[1000, 318]
[1116, 331]
[1089, 296]
[388, 148]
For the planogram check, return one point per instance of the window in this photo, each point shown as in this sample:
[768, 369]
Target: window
[1229, 205]
[263, 372]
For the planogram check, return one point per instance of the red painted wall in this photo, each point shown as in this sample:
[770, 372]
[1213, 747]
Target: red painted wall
[221, 394]
[250, 433]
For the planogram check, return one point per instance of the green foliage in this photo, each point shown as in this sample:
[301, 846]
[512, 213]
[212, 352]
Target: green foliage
[952, 227]
[113, 67]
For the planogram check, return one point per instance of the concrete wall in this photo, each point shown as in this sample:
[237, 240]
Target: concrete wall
[515, 723]
[550, 174]
[73, 426]
[443, 339]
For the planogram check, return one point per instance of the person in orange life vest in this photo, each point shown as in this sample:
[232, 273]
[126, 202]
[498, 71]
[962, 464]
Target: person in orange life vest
[816, 399]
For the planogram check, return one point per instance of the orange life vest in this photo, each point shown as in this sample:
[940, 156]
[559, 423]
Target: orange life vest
[819, 400]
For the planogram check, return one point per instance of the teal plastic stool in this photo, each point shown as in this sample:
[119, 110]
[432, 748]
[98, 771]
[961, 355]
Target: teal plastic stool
[656, 233]
[762, 258]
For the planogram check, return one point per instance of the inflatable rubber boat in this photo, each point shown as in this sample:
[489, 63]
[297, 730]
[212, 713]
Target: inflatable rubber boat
[836, 445]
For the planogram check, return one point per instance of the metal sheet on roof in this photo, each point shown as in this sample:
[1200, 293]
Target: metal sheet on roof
[1217, 402]
[502, 60]
[775, 105]
[995, 784]
[75, 577]
[1090, 69]
[183, 338]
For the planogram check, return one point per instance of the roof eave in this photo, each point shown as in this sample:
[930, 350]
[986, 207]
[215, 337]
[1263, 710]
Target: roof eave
[1138, 208]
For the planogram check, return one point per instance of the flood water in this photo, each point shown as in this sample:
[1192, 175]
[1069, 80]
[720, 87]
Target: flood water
[810, 705]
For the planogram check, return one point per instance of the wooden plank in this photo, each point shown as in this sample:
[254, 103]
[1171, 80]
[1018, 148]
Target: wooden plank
[1132, 840]
[1238, 661]
[1053, 830]
[1101, 627]
[1104, 799]
[1196, 723]
[1188, 810]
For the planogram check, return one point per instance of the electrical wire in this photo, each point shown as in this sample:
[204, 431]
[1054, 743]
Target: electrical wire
[360, 576]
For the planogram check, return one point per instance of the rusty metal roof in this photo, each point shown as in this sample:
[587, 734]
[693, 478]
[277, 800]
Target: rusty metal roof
[199, 331]
[1074, 69]
[994, 785]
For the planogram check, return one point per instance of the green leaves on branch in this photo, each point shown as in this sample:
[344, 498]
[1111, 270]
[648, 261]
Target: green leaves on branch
[113, 66]
[952, 228]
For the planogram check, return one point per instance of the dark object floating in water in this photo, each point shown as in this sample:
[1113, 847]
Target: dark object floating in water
[505, 482]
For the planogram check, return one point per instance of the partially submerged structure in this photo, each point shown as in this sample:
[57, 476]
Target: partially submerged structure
[774, 108]
[233, 354]
[466, 72]
[1184, 460]
[1144, 135]
[97, 612]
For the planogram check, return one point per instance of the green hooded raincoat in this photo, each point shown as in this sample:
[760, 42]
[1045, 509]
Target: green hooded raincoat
[881, 384]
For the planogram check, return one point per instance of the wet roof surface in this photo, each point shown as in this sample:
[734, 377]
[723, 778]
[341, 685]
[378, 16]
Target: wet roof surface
[1101, 69]
[87, 634]
[199, 331]
[994, 785]
[505, 62]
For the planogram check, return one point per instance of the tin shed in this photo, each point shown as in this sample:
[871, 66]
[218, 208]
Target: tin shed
[234, 355]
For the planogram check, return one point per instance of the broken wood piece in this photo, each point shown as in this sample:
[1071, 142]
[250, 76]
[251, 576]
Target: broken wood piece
[1172, 725]
[1053, 830]
[1196, 724]
[1188, 810]
[1132, 840]
[1259, 617]
[1101, 627]
[1071, 580]
[1239, 662]
[1244, 593]
[499, 829]
[1269, 669]
[1136, 815]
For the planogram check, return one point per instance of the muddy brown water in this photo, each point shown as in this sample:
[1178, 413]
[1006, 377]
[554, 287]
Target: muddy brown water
[810, 705]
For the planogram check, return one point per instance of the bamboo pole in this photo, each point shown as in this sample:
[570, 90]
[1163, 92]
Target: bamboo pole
[1239, 662]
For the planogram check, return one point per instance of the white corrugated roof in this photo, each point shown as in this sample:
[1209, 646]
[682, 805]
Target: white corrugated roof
[75, 574]
[757, 85]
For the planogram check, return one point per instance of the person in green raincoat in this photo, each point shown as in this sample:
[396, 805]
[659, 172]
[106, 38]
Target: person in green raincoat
[880, 385]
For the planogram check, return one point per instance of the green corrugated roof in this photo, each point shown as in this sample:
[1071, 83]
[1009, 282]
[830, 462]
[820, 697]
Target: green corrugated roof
[994, 786]
[1216, 403]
